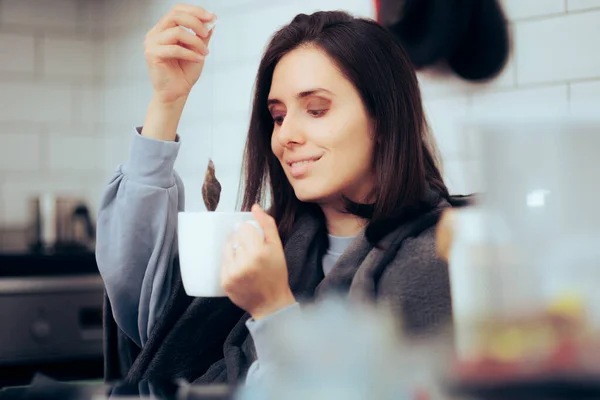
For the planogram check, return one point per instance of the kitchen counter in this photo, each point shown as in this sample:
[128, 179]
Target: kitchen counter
[38, 264]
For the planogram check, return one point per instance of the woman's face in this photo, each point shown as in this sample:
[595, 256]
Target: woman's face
[322, 134]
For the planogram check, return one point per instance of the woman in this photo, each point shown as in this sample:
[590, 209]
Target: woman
[338, 137]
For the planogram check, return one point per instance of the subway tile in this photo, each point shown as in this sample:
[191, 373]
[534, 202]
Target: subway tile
[35, 102]
[19, 152]
[126, 103]
[585, 98]
[522, 102]
[73, 152]
[63, 15]
[117, 143]
[444, 117]
[17, 53]
[93, 18]
[517, 9]
[70, 57]
[578, 5]
[558, 49]
[123, 56]
[89, 99]
[123, 14]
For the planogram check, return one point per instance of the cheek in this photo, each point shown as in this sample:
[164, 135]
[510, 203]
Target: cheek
[276, 147]
[354, 143]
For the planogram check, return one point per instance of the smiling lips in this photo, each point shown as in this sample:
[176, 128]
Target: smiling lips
[299, 167]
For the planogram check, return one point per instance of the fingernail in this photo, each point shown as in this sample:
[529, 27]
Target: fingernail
[200, 58]
[206, 51]
[210, 25]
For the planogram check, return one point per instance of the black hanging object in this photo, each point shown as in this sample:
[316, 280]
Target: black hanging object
[485, 48]
[470, 35]
[428, 30]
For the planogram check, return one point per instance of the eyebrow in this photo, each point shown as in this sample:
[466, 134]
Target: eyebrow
[301, 95]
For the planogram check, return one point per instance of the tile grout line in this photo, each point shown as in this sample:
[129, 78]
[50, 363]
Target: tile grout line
[555, 15]
[38, 55]
[569, 97]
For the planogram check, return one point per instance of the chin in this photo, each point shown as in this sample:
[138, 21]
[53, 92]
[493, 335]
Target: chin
[309, 192]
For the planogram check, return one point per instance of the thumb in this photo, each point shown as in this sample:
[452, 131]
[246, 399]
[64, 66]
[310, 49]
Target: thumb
[267, 224]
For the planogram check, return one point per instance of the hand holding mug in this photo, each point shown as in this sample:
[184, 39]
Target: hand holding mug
[254, 274]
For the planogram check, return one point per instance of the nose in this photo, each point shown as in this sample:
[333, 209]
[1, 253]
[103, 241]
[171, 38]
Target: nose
[290, 132]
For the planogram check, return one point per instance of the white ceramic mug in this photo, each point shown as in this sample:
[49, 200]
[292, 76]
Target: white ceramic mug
[202, 237]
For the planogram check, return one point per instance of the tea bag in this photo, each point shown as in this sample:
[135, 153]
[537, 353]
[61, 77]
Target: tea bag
[211, 189]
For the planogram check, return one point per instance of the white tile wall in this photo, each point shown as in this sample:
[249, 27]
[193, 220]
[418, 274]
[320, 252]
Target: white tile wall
[74, 85]
[126, 102]
[50, 53]
[61, 15]
[578, 5]
[125, 15]
[518, 9]
[585, 98]
[62, 157]
[551, 100]
[93, 17]
[558, 49]
[443, 116]
[69, 57]
[123, 55]
[117, 140]
[555, 68]
[35, 101]
[20, 152]
[17, 52]
[89, 103]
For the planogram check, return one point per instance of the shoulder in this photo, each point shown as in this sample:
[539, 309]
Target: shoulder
[416, 283]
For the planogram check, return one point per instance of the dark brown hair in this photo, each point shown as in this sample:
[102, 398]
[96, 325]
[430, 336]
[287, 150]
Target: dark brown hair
[370, 58]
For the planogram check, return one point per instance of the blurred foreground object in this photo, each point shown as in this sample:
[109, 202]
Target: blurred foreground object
[445, 234]
[341, 350]
[471, 36]
[524, 262]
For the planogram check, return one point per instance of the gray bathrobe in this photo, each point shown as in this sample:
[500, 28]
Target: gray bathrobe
[205, 340]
